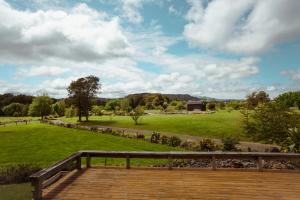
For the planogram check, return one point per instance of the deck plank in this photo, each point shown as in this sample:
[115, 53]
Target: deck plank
[99, 183]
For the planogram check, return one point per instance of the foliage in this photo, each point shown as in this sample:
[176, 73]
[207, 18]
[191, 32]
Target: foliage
[136, 114]
[206, 144]
[270, 122]
[124, 105]
[256, 98]
[155, 137]
[17, 174]
[211, 106]
[289, 99]
[82, 91]
[164, 139]
[221, 105]
[174, 141]
[292, 143]
[229, 143]
[97, 110]
[15, 110]
[8, 98]
[234, 105]
[59, 108]
[70, 112]
[140, 136]
[113, 105]
[40, 106]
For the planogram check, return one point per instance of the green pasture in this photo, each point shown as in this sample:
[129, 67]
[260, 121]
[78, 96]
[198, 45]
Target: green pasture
[207, 125]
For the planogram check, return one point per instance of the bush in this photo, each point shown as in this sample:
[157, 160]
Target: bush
[270, 122]
[229, 143]
[17, 174]
[174, 141]
[187, 145]
[155, 137]
[211, 106]
[206, 144]
[164, 139]
[292, 143]
[140, 136]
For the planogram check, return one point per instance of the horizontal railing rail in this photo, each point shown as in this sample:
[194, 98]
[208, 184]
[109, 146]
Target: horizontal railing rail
[49, 175]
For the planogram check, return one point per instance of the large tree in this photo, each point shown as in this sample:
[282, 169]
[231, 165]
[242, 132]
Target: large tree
[40, 106]
[81, 92]
[256, 98]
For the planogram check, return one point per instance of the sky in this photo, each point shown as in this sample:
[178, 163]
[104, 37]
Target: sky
[215, 48]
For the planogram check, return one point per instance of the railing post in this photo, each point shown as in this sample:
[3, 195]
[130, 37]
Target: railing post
[259, 163]
[38, 189]
[88, 161]
[170, 161]
[78, 163]
[127, 162]
[213, 163]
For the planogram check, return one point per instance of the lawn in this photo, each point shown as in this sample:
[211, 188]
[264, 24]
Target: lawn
[208, 125]
[16, 192]
[8, 119]
[42, 144]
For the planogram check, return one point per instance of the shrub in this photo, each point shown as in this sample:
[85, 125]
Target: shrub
[292, 143]
[140, 136]
[164, 139]
[187, 145]
[229, 143]
[136, 114]
[270, 122]
[155, 137]
[17, 174]
[206, 144]
[211, 106]
[174, 141]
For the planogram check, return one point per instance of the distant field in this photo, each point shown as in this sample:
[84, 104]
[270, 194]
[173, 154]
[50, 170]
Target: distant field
[42, 144]
[208, 125]
[7, 119]
[16, 192]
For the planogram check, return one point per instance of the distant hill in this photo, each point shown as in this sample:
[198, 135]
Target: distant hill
[179, 97]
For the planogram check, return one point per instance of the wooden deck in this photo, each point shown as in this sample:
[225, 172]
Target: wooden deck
[117, 183]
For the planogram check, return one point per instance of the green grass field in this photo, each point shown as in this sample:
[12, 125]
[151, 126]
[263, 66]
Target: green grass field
[42, 144]
[8, 119]
[16, 192]
[208, 125]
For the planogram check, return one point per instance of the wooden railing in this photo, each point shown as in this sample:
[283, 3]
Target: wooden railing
[46, 177]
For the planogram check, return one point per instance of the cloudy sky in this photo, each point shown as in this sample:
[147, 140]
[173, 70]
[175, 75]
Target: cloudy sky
[216, 48]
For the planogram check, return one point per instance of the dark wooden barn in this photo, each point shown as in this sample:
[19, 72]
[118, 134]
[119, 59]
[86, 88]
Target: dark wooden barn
[196, 106]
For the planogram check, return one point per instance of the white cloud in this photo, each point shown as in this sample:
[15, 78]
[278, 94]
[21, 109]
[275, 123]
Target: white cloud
[41, 71]
[292, 74]
[243, 27]
[131, 10]
[81, 34]
[173, 10]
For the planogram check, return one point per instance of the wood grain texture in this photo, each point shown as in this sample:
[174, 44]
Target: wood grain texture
[117, 183]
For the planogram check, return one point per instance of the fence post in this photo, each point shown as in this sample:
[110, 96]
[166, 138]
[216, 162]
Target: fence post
[127, 162]
[78, 163]
[88, 161]
[260, 163]
[170, 161]
[213, 163]
[38, 189]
